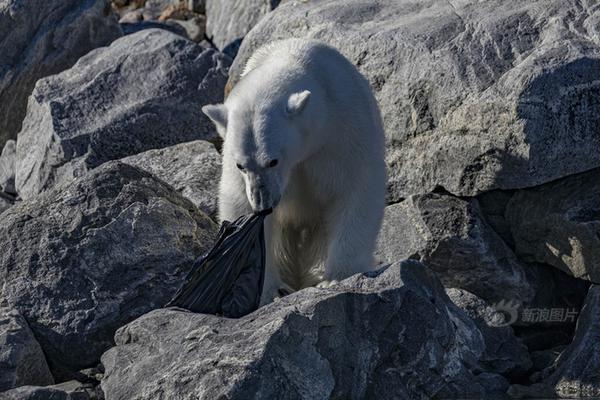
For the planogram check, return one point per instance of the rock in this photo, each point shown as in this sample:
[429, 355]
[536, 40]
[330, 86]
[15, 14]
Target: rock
[475, 95]
[197, 6]
[41, 39]
[348, 341]
[194, 28]
[38, 393]
[228, 20]
[504, 354]
[169, 26]
[576, 374]
[450, 236]
[145, 91]
[7, 167]
[559, 224]
[83, 259]
[543, 359]
[493, 206]
[22, 361]
[5, 202]
[193, 169]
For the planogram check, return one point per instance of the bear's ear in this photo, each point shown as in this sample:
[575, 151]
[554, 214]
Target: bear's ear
[217, 113]
[296, 103]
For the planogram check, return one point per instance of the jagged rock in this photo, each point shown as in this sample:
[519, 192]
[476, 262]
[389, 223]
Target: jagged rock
[193, 169]
[475, 95]
[22, 361]
[227, 20]
[504, 353]
[392, 333]
[450, 236]
[7, 167]
[145, 91]
[81, 260]
[559, 224]
[41, 38]
[577, 373]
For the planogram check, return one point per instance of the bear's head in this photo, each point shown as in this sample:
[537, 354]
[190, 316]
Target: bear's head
[264, 139]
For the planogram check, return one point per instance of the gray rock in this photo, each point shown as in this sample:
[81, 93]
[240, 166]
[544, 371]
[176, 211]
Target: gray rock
[475, 95]
[228, 20]
[145, 91]
[451, 237]
[83, 259]
[7, 167]
[6, 202]
[170, 26]
[41, 38]
[504, 353]
[70, 390]
[194, 28]
[390, 334]
[493, 206]
[193, 169]
[22, 361]
[576, 374]
[559, 224]
[38, 393]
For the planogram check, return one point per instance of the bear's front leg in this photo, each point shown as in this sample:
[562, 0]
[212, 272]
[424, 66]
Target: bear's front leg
[353, 230]
[272, 283]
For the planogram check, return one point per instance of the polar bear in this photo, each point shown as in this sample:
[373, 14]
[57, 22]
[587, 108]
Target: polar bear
[303, 136]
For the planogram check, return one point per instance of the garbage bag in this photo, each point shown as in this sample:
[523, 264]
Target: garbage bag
[228, 279]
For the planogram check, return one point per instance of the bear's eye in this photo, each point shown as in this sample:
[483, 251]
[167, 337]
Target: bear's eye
[239, 166]
[273, 163]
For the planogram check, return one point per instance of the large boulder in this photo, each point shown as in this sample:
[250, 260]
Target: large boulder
[388, 334]
[193, 169]
[230, 20]
[475, 95]
[145, 91]
[41, 38]
[559, 224]
[451, 236]
[576, 373]
[22, 361]
[83, 259]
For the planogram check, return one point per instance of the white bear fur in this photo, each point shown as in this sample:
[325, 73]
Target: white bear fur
[302, 103]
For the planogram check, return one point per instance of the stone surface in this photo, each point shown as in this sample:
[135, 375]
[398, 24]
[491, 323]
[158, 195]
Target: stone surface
[145, 91]
[41, 38]
[38, 393]
[451, 237]
[559, 224]
[5, 202]
[81, 260]
[349, 341]
[22, 361]
[475, 95]
[577, 373]
[228, 20]
[170, 26]
[504, 353]
[7, 167]
[193, 169]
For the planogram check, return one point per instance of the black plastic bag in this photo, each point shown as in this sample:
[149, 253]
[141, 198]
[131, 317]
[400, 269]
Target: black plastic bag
[228, 280]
